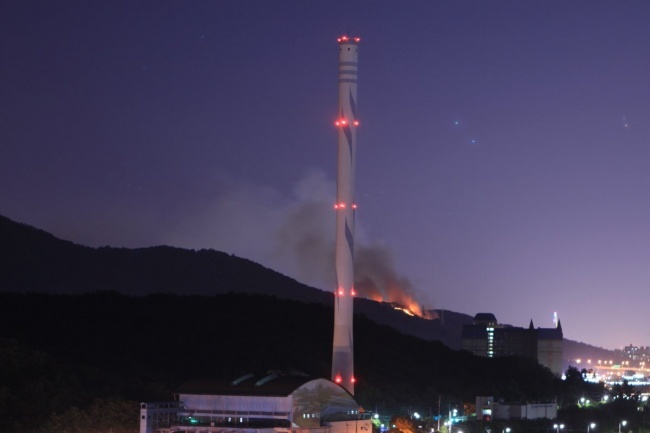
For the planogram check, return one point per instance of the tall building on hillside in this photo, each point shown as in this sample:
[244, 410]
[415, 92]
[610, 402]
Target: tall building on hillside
[486, 337]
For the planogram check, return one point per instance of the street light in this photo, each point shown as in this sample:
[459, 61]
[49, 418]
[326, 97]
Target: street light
[622, 423]
[590, 426]
[557, 427]
[506, 430]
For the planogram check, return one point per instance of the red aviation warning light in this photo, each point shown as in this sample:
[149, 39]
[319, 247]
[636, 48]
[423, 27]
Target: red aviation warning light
[341, 292]
[344, 122]
[353, 293]
[338, 378]
[353, 379]
[345, 39]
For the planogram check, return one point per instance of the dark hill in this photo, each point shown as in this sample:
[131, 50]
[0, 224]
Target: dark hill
[79, 324]
[107, 345]
[36, 261]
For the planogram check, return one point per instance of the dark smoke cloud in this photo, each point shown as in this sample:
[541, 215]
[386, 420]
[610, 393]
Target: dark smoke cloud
[375, 274]
[293, 235]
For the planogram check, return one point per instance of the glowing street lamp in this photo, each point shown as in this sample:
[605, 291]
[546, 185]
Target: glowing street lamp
[557, 427]
[590, 426]
[506, 430]
[452, 414]
[622, 423]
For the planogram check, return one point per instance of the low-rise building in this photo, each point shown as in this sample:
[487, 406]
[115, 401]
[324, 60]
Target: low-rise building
[276, 402]
[488, 409]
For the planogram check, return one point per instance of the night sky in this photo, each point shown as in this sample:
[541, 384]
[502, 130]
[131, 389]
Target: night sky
[502, 162]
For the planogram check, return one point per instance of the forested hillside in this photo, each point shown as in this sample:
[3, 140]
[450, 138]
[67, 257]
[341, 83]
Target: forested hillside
[35, 261]
[86, 333]
[60, 351]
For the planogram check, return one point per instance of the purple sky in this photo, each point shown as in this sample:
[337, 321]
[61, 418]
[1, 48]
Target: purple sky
[502, 161]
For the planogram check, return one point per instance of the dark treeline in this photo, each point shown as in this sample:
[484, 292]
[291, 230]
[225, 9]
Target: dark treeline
[36, 261]
[32, 260]
[104, 329]
[63, 356]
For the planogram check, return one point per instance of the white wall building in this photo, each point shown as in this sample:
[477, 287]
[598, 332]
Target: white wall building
[487, 409]
[250, 404]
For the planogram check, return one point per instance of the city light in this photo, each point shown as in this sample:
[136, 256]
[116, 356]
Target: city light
[622, 423]
[590, 426]
[557, 427]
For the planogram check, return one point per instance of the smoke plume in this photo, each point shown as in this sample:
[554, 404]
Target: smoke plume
[294, 235]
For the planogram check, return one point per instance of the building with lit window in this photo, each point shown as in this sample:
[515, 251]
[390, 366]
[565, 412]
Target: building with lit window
[637, 353]
[486, 337]
[255, 404]
[488, 409]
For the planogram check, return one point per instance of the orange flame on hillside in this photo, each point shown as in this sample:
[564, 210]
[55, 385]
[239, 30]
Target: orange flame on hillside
[396, 296]
[376, 279]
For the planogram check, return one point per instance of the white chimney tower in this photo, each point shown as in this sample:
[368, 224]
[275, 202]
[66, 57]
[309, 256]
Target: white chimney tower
[346, 122]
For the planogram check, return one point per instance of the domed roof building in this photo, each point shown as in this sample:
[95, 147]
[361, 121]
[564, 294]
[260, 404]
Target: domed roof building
[254, 403]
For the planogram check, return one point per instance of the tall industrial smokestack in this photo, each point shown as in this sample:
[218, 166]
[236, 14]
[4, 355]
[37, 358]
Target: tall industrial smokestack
[342, 350]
